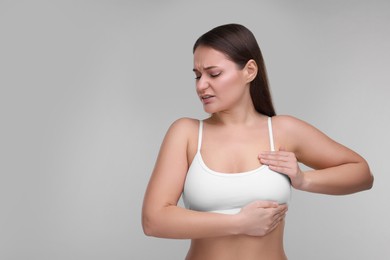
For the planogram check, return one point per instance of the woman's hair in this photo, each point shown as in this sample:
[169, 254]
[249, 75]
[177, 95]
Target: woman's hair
[240, 45]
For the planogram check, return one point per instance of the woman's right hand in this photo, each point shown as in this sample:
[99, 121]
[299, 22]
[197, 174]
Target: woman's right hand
[261, 217]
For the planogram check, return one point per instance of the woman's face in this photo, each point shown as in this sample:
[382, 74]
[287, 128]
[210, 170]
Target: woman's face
[220, 84]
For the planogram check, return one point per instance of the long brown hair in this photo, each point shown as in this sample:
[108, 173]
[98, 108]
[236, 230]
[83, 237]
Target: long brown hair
[239, 44]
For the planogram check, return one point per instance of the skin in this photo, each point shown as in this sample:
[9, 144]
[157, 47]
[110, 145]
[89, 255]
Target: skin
[256, 232]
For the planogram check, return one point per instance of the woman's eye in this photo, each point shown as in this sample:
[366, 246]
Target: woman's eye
[212, 75]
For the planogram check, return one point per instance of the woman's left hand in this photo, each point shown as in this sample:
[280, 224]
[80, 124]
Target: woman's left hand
[284, 162]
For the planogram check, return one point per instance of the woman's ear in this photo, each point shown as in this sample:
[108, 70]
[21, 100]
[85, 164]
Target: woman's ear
[251, 70]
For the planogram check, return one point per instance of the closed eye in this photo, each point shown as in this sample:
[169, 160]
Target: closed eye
[198, 75]
[214, 75]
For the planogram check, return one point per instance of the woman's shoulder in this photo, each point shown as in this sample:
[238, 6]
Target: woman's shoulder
[291, 126]
[285, 121]
[288, 121]
[184, 126]
[185, 122]
[289, 131]
[294, 128]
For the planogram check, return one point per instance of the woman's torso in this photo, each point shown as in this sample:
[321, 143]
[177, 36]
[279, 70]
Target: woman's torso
[269, 247]
[224, 176]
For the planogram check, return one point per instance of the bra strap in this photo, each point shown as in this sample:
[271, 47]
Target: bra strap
[200, 134]
[271, 136]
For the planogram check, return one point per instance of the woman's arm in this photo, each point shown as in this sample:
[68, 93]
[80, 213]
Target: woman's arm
[336, 170]
[161, 217]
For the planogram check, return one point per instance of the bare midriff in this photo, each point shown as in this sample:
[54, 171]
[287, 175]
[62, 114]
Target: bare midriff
[268, 247]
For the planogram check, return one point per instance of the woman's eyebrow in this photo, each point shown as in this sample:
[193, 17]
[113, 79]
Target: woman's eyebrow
[206, 68]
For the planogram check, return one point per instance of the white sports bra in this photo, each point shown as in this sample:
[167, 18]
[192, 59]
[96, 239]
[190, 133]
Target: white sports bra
[211, 191]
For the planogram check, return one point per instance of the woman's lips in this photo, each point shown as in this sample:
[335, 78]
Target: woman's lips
[206, 99]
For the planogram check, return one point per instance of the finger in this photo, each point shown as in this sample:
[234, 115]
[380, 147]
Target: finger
[283, 207]
[280, 152]
[272, 227]
[281, 210]
[264, 204]
[284, 212]
[276, 223]
[280, 169]
[278, 218]
[276, 156]
[282, 163]
[277, 163]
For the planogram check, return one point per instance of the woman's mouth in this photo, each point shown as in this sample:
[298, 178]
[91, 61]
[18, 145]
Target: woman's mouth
[206, 98]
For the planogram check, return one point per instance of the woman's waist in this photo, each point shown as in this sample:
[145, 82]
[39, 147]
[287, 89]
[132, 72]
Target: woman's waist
[242, 247]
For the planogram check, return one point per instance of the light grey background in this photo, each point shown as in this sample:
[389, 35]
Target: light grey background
[89, 88]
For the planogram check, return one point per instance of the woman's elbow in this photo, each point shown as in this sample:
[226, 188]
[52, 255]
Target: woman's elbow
[147, 225]
[368, 180]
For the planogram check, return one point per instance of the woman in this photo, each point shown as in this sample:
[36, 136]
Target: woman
[235, 168]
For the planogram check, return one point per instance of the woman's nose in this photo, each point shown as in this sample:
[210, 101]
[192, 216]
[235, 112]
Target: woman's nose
[202, 84]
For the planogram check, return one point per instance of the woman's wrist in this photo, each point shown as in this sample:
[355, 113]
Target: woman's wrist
[303, 183]
[236, 224]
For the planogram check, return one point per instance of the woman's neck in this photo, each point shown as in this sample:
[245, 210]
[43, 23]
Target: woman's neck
[238, 116]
